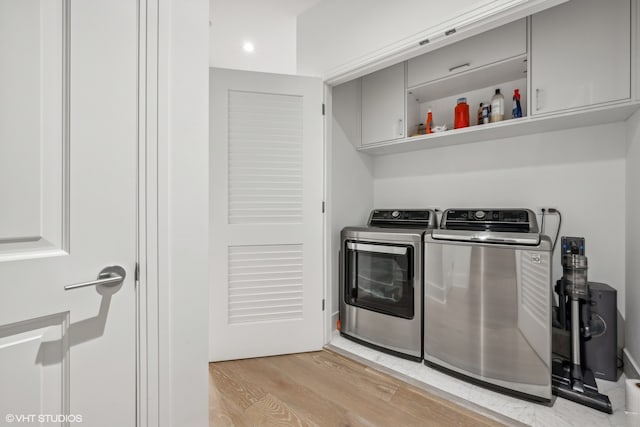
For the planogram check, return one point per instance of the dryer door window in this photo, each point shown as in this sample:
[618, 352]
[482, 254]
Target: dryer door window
[380, 277]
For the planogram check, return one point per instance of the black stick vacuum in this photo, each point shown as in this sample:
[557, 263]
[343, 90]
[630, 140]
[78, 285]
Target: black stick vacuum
[571, 379]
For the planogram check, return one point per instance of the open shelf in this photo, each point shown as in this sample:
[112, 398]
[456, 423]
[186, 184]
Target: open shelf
[476, 85]
[508, 129]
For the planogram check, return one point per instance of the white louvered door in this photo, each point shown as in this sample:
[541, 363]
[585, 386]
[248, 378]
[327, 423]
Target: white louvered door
[266, 220]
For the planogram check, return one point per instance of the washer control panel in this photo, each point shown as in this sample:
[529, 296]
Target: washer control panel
[511, 220]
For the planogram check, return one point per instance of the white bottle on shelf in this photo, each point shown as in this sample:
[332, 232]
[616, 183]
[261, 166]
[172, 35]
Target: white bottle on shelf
[497, 107]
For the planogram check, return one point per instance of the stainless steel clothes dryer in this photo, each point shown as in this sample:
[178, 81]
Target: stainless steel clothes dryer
[381, 281]
[488, 300]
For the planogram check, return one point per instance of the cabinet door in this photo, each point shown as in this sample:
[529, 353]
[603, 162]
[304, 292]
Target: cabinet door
[580, 55]
[492, 46]
[383, 105]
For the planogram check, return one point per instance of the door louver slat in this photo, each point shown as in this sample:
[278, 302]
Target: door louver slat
[265, 283]
[265, 153]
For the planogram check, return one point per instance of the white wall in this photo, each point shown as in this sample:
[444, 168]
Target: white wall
[270, 25]
[349, 179]
[183, 186]
[633, 237]
[581, 172]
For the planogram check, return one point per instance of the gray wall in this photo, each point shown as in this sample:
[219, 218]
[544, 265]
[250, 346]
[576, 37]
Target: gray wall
[633, 238]
[350, 182]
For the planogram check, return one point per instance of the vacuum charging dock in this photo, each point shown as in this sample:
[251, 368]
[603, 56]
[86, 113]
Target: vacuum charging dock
[571, 379]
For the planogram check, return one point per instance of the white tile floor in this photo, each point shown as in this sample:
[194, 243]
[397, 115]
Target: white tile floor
[563, 413]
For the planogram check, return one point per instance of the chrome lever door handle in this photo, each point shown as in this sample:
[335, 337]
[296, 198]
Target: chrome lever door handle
[109, 276]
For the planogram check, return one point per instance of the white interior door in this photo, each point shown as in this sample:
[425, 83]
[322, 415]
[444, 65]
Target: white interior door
[68, 174]
[266, 217]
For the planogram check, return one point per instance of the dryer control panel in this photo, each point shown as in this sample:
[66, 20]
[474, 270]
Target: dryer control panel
[403, 218]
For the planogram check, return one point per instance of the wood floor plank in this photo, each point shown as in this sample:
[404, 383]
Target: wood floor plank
[299, 397]
[379, 385]
[323, 389]
[428, 407]
[219, 411]
[272, 411]
[243, 394]
[346, 389]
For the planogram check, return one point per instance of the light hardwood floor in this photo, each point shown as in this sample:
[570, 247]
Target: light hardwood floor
[323, 389]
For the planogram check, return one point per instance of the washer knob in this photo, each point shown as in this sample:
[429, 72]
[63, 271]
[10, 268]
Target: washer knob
[480, 214]
[395, 214]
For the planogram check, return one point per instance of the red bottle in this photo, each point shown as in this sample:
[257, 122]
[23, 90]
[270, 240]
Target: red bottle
[429, 122]
[461, 114]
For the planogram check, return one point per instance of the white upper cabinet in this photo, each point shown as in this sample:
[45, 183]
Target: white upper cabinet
[346, 101]
[383, 105]
[580, 55]
[572, 65]
[487, 48]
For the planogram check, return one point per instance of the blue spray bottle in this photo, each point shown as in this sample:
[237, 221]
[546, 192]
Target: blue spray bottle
[517, 108]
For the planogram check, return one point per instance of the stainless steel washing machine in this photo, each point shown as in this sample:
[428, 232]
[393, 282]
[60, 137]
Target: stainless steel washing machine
[488, 300]
[381, 281]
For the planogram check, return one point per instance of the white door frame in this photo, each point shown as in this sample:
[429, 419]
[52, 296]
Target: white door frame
[330, 256]
[173, 192]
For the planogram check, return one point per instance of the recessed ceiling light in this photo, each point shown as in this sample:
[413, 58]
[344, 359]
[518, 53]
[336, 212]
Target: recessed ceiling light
[248, 47]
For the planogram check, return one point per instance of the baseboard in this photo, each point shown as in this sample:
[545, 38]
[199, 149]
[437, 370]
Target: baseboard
[631, 368]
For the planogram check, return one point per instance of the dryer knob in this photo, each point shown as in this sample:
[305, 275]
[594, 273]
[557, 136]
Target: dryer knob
[395, 214]
[480, 214]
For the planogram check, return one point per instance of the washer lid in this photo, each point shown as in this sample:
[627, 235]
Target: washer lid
[527, 239]
[502, 226]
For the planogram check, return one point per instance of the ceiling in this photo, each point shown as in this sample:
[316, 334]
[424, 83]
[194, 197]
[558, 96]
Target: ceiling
[280, 7]
[293, 7]
[269, 25]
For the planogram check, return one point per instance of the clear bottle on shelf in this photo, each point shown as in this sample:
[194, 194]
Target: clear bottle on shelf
[497, 107]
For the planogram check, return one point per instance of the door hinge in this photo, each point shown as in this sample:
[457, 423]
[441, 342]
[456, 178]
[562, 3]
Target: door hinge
[323, 206]
[136, 273]
[323, 109]
[323, 305]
